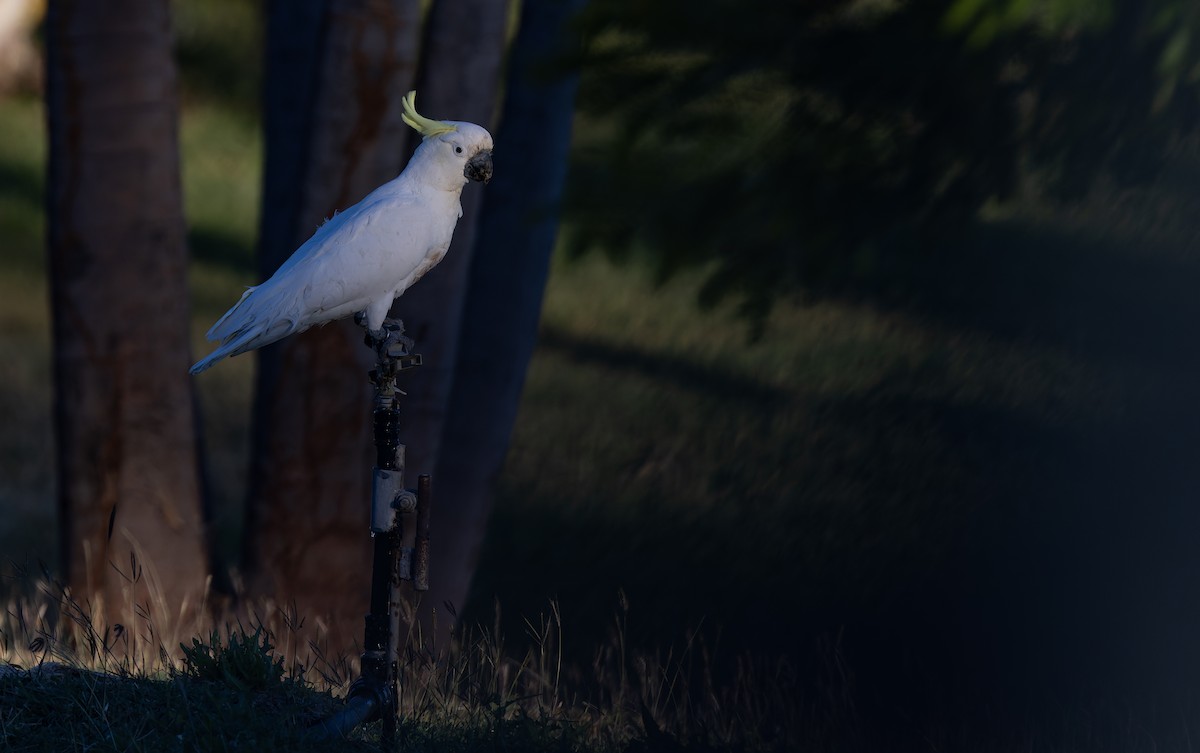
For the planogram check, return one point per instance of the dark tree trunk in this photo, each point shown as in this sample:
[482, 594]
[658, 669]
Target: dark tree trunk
[459, 76]
[336, 73]
[126, 449]
[516, 235]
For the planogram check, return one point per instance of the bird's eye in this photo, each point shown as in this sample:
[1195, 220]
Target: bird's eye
[458, 150]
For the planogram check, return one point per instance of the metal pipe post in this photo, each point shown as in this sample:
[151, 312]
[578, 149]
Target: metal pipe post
[374, 695]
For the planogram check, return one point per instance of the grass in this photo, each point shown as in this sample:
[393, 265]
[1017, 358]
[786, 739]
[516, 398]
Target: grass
[648, 421]
[66, 709]
[934, 512]
[833, 446]
[897, 473]
[69, 687]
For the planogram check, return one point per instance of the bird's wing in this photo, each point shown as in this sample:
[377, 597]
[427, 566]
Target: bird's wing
[355, 258]
[344, 230]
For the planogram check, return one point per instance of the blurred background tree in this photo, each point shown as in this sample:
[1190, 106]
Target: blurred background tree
[335, 73]
[815, 146]
[312, 401]
[466, 42]
[961, 463]
[501, 294]
[130, 506]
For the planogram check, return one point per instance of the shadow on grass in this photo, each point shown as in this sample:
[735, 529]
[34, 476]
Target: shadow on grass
[1115, 300]
[970, 562]
[674, 369]
[978, 561]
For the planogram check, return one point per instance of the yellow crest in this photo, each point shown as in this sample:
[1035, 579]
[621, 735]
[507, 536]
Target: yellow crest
[419, 123]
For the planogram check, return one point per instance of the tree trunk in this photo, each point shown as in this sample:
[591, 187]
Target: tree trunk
[336, 73]
[460, 69]
[126, 449]
[507, 280]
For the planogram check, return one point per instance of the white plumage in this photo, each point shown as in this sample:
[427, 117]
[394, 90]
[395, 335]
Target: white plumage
[368, 255]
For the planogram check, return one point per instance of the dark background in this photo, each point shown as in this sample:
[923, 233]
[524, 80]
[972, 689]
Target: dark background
[871, 345]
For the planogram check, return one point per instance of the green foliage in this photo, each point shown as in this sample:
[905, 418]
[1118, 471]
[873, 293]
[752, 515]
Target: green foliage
[796, 145]
[985, 20]
[246, 663]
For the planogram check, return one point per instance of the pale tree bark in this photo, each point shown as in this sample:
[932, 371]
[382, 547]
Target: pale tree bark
[516, 234]
[336, 73]
[458, 80]
[124, 417]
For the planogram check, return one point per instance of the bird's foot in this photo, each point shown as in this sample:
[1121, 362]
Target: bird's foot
[388, 340]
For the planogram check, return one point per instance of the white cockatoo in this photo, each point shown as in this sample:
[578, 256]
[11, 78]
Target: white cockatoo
[361, 259]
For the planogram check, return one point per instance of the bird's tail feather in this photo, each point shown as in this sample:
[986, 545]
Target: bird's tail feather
[214, 332]
[235, 329]
[238, 342]
[254, 321]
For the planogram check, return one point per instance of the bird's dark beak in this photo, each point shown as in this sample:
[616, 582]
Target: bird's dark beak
[479, 167]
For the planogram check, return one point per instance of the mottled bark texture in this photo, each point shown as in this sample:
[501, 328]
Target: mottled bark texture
[128, 492]
[336, 73]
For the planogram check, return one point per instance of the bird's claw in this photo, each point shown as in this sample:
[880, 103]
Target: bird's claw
[390, 340]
